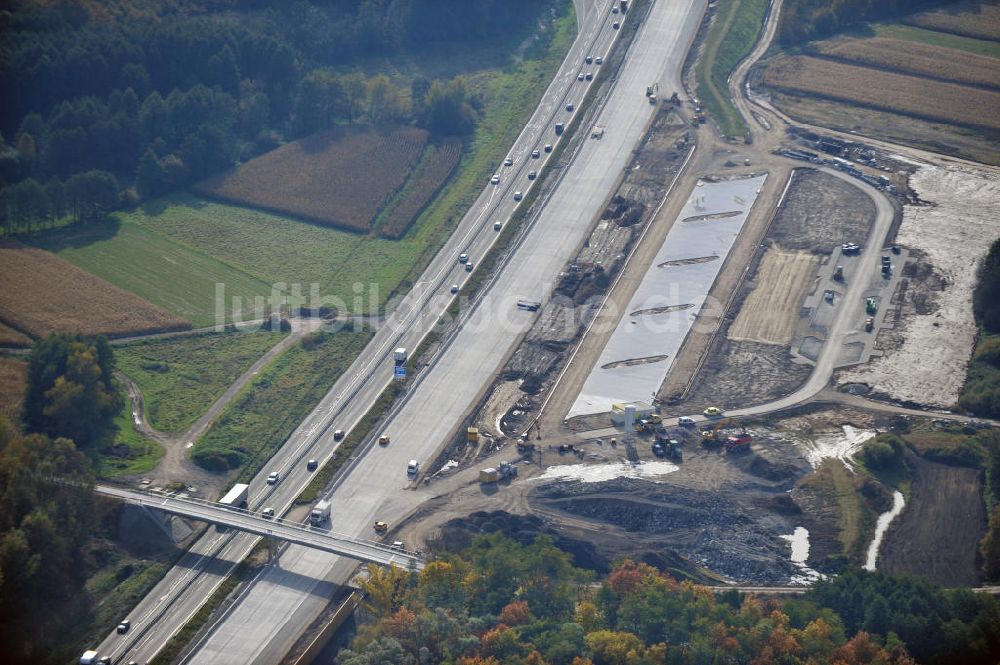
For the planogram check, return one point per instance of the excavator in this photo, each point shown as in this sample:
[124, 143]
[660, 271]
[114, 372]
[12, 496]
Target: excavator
[729, 433]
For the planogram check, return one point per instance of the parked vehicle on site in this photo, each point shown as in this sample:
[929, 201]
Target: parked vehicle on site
[529, 305]
[869, 324]
[236, 497]
[381, 527]
[412, 467]
[871, 306]
[712, 411]
[686, 421]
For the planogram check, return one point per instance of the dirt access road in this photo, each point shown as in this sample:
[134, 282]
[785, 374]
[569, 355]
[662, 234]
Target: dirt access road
[176, 466]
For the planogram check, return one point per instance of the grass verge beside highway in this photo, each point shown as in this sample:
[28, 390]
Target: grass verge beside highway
[181, 377]
[131, 454]
[733, 34]
[260, 418]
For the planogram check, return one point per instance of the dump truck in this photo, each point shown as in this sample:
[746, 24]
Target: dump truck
[236, 497]
[623, 5]
[400, 356]
[529, 305]
[871, 306]
[652, 91]
[472, 435]
[488, 475]
[320, 513]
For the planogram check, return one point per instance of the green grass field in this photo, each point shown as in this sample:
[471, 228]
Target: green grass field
[936, 38]
[259, 419]
[137, 258]
[180, 377]
[731, 38]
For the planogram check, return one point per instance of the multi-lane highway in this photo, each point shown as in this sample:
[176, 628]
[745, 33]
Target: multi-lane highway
[199, 572]
[274, 610]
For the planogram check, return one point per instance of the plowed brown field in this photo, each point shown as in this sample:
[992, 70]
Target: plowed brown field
[915, 58]
[43, 294]
[341, 177]
[898, 93]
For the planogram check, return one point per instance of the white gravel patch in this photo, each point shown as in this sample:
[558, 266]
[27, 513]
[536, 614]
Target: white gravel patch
[597, 473]
[842, 445]
[955, 232]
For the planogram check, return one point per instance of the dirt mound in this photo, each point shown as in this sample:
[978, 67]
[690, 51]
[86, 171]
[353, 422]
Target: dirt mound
[706, 528]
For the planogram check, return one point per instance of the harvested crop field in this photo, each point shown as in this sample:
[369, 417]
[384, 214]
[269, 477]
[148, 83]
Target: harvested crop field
[12, 387]
[341, 177]
[431, 174]
[980, 20]
[11, 337]
[918, 59]
[771, 311]
[899, 93]
[41, 294]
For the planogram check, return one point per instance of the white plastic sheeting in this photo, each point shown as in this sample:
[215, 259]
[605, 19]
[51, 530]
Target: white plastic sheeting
[646, 340]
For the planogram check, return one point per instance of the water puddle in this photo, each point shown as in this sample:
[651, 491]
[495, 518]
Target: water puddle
[883, 523]
[597, 473]
[841, 445]
[799, 540]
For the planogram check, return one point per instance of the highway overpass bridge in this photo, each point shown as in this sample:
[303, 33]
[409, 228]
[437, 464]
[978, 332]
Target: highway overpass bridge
[243, 520]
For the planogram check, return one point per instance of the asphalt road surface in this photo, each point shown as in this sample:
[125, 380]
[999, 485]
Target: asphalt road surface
[286, 597]
[199, 572]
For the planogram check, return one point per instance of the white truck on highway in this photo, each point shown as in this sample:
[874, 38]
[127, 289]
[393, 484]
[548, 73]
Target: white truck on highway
[400, 356]
[320, 513]
[236, 497]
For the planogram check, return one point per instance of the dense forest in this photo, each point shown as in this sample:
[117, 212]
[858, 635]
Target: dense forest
[503, 602]
[803, 20]
[103, 108]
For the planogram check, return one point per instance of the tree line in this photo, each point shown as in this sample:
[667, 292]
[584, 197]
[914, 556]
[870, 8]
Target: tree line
[501, 602]
[804, 20]
[102, 114]
[49, 512]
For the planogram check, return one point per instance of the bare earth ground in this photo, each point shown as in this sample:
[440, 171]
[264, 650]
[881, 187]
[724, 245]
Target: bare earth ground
[937, 534]
[819, 212]
[41, 293]
[954, 232]
[12, 387]
[771, 311]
